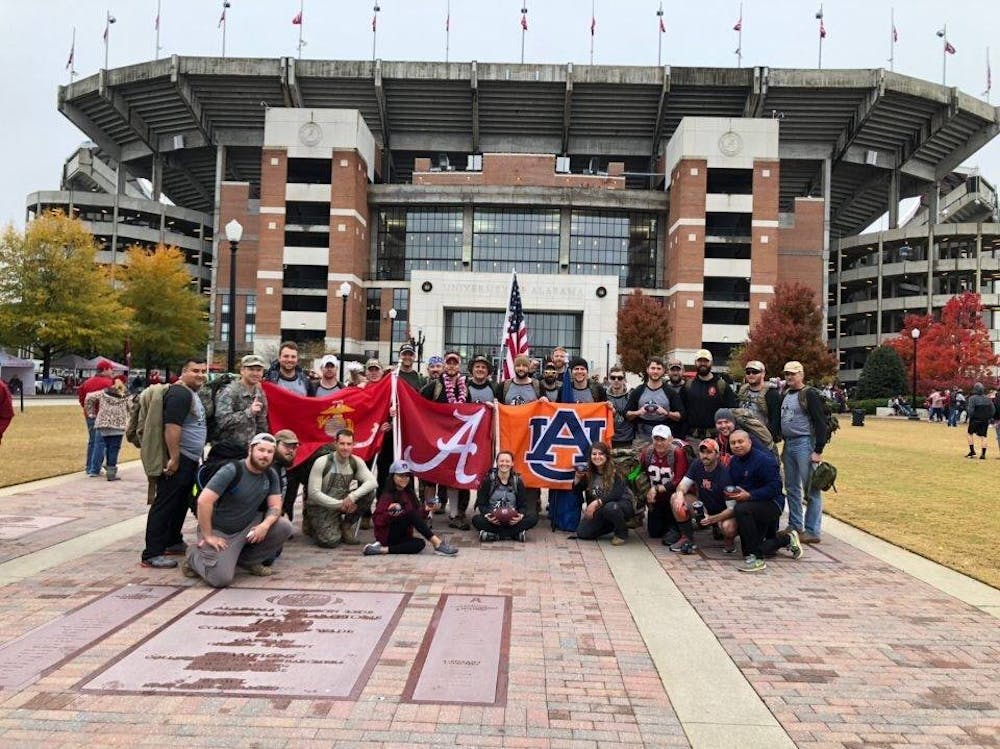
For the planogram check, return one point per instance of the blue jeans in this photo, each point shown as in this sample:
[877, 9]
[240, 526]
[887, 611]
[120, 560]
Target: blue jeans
[796, 459]
[953, 415]
[112, 444]
[92, 437]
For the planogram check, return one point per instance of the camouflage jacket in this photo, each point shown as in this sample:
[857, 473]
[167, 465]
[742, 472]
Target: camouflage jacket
[233, 418]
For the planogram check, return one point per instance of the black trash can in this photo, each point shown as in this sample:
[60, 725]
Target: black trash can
[857, 417]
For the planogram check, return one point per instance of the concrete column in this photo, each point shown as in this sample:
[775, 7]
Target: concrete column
[840, 266]
[157, 176]
[933, 195]
[220, 175]
[979, 258]
[878, 305]
[894, 199]
[565, 224]
[931, 258]
[824, 302]
[119, 189]
[468, 217]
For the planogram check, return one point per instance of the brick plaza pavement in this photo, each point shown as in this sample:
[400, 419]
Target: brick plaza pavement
[840, 649]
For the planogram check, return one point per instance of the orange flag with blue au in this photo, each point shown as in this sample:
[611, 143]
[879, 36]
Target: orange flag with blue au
[549, 439]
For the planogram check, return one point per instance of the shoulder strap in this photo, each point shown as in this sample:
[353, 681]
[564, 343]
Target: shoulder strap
[504, 389]
[236, 479]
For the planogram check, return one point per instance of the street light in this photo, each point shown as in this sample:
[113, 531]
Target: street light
[234, 233]
[345, 291]
[915, 333]
[607, 359]
[392, 326]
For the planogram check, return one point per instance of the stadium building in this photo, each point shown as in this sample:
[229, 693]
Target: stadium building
[382, 200]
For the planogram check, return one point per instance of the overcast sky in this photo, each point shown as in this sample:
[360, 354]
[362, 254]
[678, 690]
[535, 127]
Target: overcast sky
[777, 33]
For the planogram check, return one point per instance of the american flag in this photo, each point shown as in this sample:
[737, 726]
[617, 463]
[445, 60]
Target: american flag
[514, 341]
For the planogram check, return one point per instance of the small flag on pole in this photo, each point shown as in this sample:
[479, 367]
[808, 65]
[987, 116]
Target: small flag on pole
[447, 22]
[514, 341]
[524, 21]
[222, 18]
[663, 26]
[156, 25]
[738, 26]
[297, 21]
[895, 34]
[948, 47]
[822, 29]
[593, 25]
[374, 21]
[72, 50]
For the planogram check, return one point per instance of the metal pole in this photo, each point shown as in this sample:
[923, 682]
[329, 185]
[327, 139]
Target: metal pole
[72, 57]
[157, 29]
[231, 363]
[659, 36]
[607, 359]
[524, 28]
[913, 403]
[447, 31]
[302, 22]
[343, 335]
[376, 9]
[739, 40]
[820, 17]
[892, 38]
[593, 10]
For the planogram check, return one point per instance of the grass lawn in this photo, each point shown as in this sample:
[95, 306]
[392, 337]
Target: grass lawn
[47, 441]
[903, 481]
[907, 482]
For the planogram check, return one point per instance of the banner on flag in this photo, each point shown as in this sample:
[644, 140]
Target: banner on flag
[316, 421]
[549, 439]
[446, 443]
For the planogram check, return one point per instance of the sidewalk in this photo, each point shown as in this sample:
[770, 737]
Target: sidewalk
[606, 647]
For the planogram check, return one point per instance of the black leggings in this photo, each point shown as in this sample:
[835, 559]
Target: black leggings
[757, 522]
[400, 540]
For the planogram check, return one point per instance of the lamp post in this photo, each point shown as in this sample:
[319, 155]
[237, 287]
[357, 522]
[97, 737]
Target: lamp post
[915, 333]
[234, 233]
[345, 291]
[392, 330]
[607, 359]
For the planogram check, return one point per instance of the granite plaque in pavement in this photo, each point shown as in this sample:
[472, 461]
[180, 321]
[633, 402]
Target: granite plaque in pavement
[15, 526]
[262, 642]
[465, 653]
[46, 647]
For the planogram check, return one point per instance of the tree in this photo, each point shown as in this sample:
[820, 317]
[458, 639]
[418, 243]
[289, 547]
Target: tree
[54, 298]
[883, 376]
[737, 361]
[952, 351]
[168, 320]
[643, 331]
[789, 330]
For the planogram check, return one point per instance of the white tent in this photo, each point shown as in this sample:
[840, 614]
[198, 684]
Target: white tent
[22, 368]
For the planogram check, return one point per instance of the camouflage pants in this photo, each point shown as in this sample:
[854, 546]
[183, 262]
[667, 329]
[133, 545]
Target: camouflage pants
[329, 527]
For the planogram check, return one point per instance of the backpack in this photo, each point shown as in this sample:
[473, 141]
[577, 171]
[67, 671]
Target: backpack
[832, 422]
[208, 395]
[824, 477]
[760, 397]
[747, 421]
[139, 410]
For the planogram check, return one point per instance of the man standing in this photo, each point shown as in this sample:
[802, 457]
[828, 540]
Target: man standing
[980, 414]
[759, 503]
[618, 397]
[707, 392]
[184, 434]
[340, 490]
[582, 388]
[763, 401]
[232, 530]
[6, 408]
[481, 389]
[241, 407]
[651, 403]
[677, 386]
[435, 368]
[329, 382]
[99, 381]
[520, 388]
[406, 369]
[551, 383]
[286, 372]
[803, 428]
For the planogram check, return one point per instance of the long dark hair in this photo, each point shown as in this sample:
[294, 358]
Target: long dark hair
[608, 471]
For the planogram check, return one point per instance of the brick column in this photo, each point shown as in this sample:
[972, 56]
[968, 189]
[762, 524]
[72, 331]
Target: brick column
[685, 252]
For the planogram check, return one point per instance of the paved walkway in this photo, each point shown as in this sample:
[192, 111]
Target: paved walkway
[856, 645]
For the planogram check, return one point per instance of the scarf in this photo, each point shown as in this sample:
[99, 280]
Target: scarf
[455, 388]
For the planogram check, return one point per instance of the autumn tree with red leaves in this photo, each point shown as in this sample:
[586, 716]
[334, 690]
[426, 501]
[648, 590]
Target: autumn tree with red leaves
[643, 331]
[953, 351]
[789, 330]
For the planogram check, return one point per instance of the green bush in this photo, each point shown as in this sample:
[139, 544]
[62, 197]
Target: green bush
[883, 375]
[869, 404]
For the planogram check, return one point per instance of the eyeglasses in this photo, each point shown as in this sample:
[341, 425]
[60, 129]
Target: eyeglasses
[616, 377]
[751, 371]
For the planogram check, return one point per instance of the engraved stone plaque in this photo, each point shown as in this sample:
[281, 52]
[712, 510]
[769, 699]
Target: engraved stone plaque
[464, 656]
[257, 642]
[15, 526]
[25, 659]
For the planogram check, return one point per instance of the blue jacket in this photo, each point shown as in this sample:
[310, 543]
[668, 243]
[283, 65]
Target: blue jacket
[758, 473]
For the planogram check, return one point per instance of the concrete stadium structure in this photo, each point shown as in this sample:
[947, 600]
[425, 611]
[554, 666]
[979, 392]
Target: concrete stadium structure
[456, 167]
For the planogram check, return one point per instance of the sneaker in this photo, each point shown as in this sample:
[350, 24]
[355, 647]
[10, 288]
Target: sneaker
[730, 547]
[372, 549]
[187, 569]
[794, 546]
[445, 549]
[806, 537]
[672, 537]
[617, 541]
[258, 570]
[689, 548]
[159, 562]
[680, 543]
[176, 550]
[487, 536]
[753, 564]
[522, 536]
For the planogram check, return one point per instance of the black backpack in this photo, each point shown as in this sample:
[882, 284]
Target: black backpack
[222, 454]
[208, 395]
[832, 422]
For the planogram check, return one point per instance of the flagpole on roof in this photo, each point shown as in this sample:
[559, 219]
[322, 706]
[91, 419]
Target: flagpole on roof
[222, 24]
[447, 30]
[375, 11]
[822, 35]
[593, 25]
[738, 28]
[107, 36]
[892, 38]
[524, 28]
[301, 23]
[70, 63]
[943, 34]
[158, 47]
[989, 77]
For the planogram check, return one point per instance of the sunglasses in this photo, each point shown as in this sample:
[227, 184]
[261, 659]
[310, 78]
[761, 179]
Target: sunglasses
[751, 371]
[616, 377]
[292, 445]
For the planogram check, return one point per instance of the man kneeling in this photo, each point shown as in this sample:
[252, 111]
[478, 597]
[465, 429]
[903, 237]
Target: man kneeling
[705, 482]
[232, 531]
[503, 507]
[339, 492]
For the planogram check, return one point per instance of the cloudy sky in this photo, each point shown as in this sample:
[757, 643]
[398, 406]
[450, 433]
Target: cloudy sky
[777, 33]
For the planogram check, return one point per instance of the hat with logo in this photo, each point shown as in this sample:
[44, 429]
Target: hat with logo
[400, 467]
[103, 365]
[703, 353]
[675, 364]
[407, 348]
[754, 364]
[286, 437]
[662, 430]
[435, 360]
[252, 360]
[480, 359]
[793, 366]
[710, 443]
[329, 359]
[452, 356]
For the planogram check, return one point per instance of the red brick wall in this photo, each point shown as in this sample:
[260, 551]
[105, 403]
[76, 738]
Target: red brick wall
[349, 240]
[234, 198]
[800, 248]
[684, 257]
[764, 254]
[519, 170]
[273, 178]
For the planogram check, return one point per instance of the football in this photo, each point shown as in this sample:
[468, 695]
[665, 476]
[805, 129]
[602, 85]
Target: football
[505, 515]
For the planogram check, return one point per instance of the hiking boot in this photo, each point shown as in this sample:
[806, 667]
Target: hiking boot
[112, 473]
[176, 550]
[187, 569]
[672, 536]
[159, 562]
[484, 536]
[680, 543]
[794, 546]
[806, 537]
[258, 570]
[445, 549]
[753, 564]
[373, 549]
[522, 536]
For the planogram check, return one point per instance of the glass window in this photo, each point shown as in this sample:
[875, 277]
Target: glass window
[305, 277]
[411, 239]
[373, 314]
[249, 332]
[616, 244]
[504, 240]
[472, 332]
[303, 303]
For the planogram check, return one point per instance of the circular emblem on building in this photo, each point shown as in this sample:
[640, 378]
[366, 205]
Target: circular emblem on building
[310, 134]
[730, 143]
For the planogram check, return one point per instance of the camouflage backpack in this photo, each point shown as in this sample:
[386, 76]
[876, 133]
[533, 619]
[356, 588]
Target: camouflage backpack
[824, 477]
